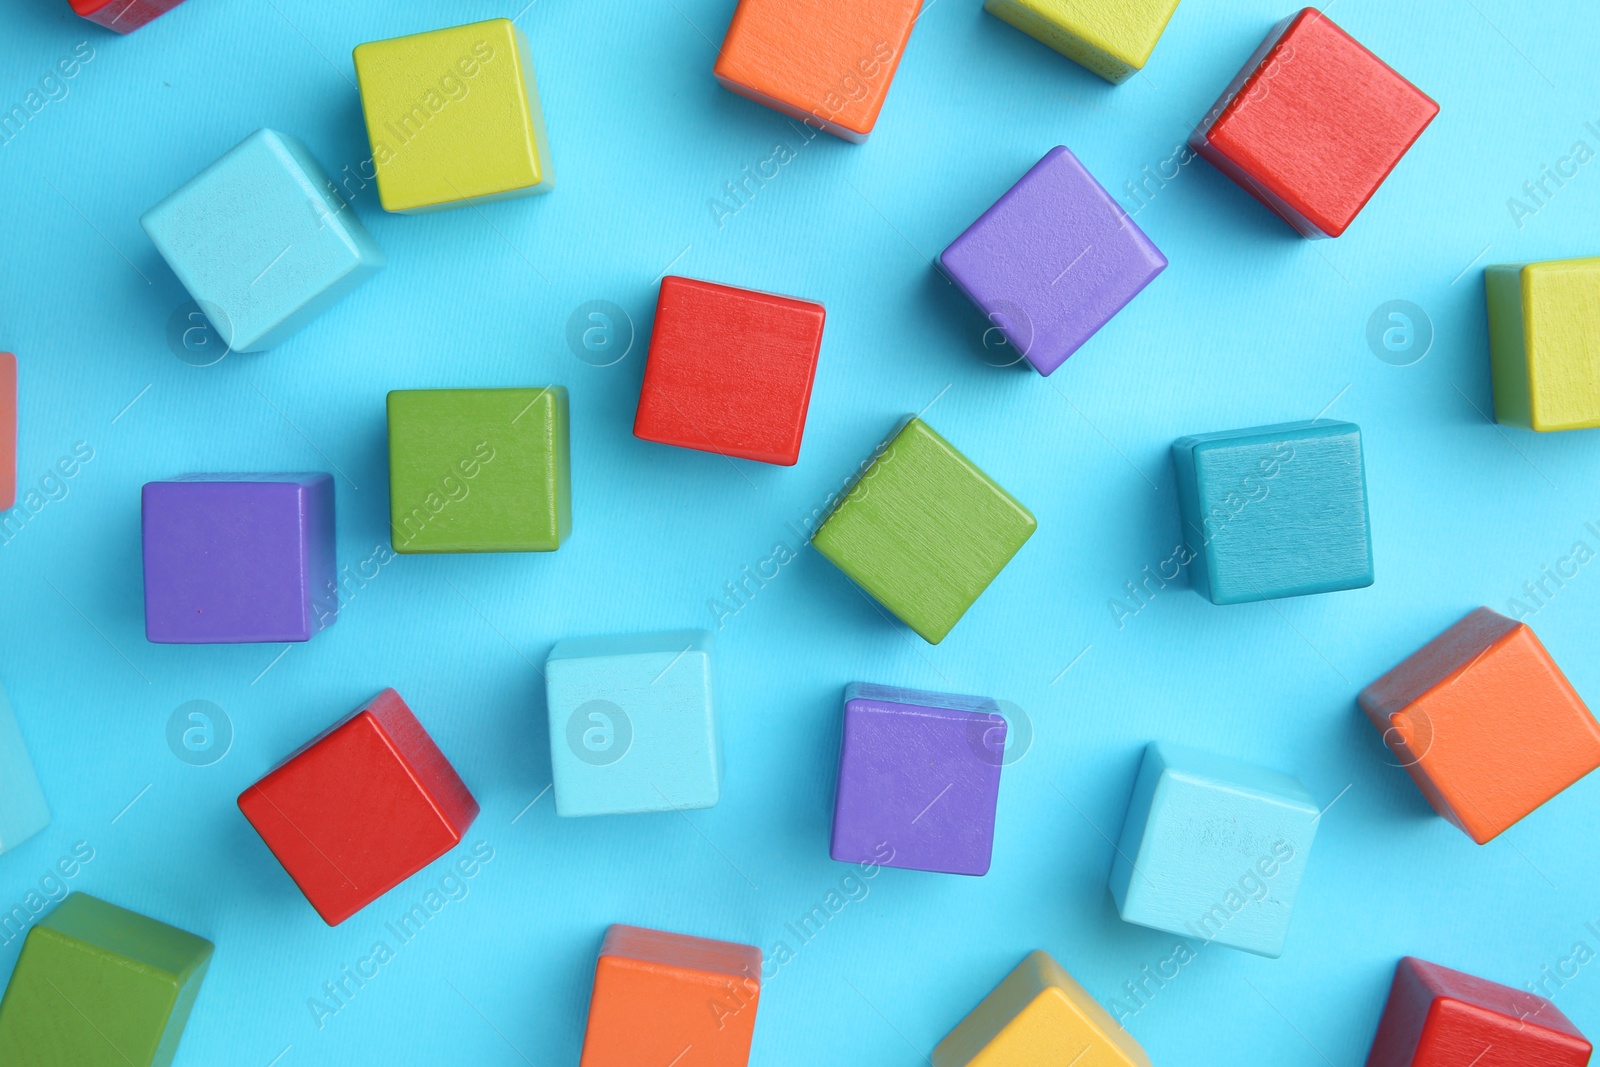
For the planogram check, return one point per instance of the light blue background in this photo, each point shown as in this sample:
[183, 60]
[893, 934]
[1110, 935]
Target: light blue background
[1250, 325]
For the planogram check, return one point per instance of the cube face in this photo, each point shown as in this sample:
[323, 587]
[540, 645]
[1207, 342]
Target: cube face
[1275, 511]
[122, 16]
[1544, 343]
[828, 63]
[8, 429]
[99, 986]
[1052, 261]
[665, 998]
[924, 531]
[479, 470]
[633, 724]
[23, 811]
[919, 780]
[361, 808]
[730, 371]
[1213, 848]
[233, 558]
[1113, 40]
[1489, 752]
[454, 117]
[1313, 124]
[261, 241]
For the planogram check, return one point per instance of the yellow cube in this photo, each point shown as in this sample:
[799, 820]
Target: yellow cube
[1039, 1015]
[1544, 343]
[1113, 38]
[453, 116]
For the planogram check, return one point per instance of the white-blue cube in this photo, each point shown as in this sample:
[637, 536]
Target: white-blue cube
[1213, 849]
[23, 812]
[633, 724]
[262, 241]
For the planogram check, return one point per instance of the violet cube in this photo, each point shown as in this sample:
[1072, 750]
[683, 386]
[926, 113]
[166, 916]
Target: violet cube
[232, 558]
[919, 776]
[1052, 261]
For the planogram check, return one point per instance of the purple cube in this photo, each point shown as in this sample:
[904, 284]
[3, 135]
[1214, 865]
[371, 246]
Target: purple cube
[1052, 261]
[919, 775]
[231, 558]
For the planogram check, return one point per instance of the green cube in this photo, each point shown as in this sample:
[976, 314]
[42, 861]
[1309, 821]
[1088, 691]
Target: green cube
[100, 986]
[479, 470]
[924, 531]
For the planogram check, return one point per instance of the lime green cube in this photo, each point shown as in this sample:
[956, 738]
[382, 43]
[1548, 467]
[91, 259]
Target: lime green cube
[479, 470]
[100, 986]
[924, 531]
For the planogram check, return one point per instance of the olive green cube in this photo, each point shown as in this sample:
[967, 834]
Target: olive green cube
[100, 986]
[479, 470]
[924, 531]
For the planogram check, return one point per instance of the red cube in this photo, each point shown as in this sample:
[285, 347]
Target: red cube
[8, 429]
[729, 371]
[1313, 124]
[123, 16]
[361, 808]
[1437, 1017]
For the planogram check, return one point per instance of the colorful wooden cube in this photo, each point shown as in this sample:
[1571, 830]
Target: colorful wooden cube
[1113, 40]
[633, 725]
[232, 558]
[1544, 343]
[670, 999]
[479, 470]
[1052, 261]
[23, 811]
[262, 241]
[919, 778]
[1039, 1015]
[122, 16]
[924, 530]
[100, 986]
[1213, 848]
[454, 117]
[1436, 1017]
[825, 62]
[1485, 723]
[729, 371]
[1313, 124]
[8, 430]
[361, 808]
[1275, 511]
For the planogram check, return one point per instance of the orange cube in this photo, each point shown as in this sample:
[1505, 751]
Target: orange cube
[664, 998]
[825, 62]
[1485, 722]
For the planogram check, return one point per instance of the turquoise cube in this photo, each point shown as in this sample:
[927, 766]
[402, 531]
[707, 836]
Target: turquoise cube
[23, 812]
[633, 724]
[1213, 849]
[262, 241]
[1276, 511]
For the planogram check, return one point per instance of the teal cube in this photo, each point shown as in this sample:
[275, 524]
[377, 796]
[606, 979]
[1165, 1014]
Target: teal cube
[1277, 511]
[633, 724]
[1213, 849]
[23, 812]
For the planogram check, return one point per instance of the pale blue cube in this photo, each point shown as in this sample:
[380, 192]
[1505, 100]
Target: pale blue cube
[633, 724]
[1213, 849]
[23, 812]
[262, 241]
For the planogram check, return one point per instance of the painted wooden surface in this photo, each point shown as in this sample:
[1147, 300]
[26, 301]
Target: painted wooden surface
[828, 63]
[1213, 849]
[1485, 723]
[924, 531]
[1039, 1015]
[235, 558]
[1544, 343]
[8, 429]
[1313, 125]
[1437, 1017]
[23, 811]
[1113, 40]
[100, 986]
[122, 16]
[479, 470]
[633, 724]
[1275, 511]
[361, 808]
[1052, 261]
[729, 371]
[262, 241]
[453, 117]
